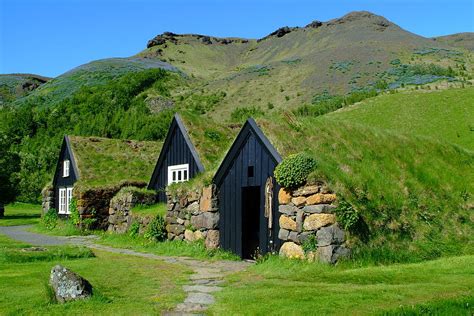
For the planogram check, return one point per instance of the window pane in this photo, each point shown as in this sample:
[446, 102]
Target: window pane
[179, 175]
[185, 177]
[174, 176]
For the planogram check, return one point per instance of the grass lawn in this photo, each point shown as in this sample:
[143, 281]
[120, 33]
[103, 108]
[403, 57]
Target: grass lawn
[165, 248]
[155, 209]
[21, 214]
[443, 115]
[122, 284]
[294, 288]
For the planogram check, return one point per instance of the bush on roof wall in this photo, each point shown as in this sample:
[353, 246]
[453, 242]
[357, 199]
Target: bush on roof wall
[294, 170]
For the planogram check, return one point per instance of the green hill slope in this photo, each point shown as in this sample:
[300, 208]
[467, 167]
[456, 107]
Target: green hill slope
[414, 194]
[14, 86]
[441, 115]
[95, 73]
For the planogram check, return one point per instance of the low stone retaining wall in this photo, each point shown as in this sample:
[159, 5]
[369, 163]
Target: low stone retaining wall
[120, 214]
[307, 213]
[48, 199]
[95, 202]
[194, 216]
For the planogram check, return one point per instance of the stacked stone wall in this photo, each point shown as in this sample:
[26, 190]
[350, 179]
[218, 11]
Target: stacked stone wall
[95, 202]
[120, 210]
[48, 199]
[194, 216]
[308, 213]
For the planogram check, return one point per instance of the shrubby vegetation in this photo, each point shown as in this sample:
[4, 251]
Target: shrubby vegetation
[156, 230]
[294, 170]
[324, 103]
[241, 114]
[117, 110]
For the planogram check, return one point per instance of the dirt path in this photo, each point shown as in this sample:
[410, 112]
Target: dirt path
[206, 280]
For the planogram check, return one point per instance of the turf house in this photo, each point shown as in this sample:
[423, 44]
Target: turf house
[92, 170]
[246, 187]
[178, 161]
[243, 209]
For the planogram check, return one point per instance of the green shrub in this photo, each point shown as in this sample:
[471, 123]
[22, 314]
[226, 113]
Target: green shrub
[134, 229]
[74, 217]
[156, 230]
[242, 113]
[347, 215]
[310, 244]
[50, 219]
[293, 170]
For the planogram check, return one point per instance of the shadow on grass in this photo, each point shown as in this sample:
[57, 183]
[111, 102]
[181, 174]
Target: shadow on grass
[21, 216]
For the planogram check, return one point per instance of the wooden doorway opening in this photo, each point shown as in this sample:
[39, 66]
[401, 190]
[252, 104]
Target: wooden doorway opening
[251, 202]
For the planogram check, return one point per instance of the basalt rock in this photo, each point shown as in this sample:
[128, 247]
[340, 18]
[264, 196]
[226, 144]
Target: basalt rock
[68, 286]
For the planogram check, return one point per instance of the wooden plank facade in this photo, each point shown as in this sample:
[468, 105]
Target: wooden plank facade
[61, 181]
[241, 183]
[177, 150]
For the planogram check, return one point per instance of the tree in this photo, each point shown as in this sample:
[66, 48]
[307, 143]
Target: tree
[8, 165]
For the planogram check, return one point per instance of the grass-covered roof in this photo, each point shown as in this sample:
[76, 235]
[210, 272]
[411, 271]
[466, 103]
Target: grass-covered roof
[108, 162]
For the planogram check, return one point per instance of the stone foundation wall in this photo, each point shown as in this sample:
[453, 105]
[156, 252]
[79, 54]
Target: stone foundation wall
[194, 216]
[48, 199]
[309, 212]
[95, 202]
[120, 214]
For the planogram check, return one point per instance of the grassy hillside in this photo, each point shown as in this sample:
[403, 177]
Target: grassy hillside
[13, 86]
[95, 73]
[286, 69]
[463, 40]
[440, 115]
[415, 195]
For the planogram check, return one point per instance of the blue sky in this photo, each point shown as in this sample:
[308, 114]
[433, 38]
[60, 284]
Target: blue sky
[49, 37]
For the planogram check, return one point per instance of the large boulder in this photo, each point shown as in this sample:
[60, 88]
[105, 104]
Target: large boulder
[287, 223]
[68, 286]
[320, 198]
[316, 221]
[284, 196]
[205, 220]
[330, 235]
[291, 250]
[288, 209]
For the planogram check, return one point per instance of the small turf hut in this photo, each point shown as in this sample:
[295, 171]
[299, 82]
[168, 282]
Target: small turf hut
[93, 169]
[178, 161]
[247, 194]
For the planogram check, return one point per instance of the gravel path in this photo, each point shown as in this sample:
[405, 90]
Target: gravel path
[206, 279]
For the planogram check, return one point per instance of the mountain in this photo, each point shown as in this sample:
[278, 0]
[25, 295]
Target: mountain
[293, 64]
[289, 67]
[462, 40]
[13, 86]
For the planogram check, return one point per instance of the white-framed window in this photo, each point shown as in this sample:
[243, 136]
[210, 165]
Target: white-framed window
[68, 200]
[178, 173]
[65, 197]
[66, 164]
[62, 201]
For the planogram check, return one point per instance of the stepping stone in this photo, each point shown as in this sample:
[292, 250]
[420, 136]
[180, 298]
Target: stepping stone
[205, 276]
[190, 308]
[208, 282]
[201, 288]
[199, 298]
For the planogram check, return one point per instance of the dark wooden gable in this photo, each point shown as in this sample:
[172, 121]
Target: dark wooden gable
[250, 161]
[177, 149]
[59, 181]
